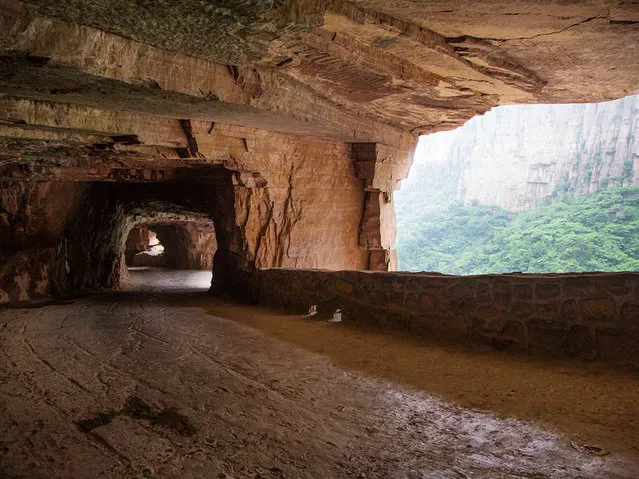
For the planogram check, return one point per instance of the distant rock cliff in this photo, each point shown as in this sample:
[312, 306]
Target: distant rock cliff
[520, 156]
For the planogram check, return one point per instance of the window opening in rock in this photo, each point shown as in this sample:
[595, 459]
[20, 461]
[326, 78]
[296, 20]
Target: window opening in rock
[144, 249]
[155, 248]
[154, 242]
[529, 188]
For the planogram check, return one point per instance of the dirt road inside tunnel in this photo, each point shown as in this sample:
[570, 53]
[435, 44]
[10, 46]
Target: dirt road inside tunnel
[182, 385]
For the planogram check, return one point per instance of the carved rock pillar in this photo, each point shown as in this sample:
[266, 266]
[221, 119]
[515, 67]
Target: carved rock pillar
[381, 167]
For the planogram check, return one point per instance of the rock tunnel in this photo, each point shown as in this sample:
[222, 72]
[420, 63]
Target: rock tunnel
[301, 140]
[188, 243]
[263, 141]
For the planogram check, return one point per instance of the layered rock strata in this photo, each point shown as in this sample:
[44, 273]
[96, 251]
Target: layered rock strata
[288, 125]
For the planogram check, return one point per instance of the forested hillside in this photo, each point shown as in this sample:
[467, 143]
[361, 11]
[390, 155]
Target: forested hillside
[587, 221]
[599, 232]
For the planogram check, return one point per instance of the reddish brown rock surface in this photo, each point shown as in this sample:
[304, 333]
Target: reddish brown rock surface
[288, 127]
[177, 245]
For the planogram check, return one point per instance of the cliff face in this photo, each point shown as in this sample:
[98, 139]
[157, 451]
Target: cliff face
[520, 156]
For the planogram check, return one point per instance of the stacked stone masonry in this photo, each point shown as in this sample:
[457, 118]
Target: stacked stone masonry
[590, 316]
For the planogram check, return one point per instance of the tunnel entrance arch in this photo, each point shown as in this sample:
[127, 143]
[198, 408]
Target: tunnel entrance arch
[193, 216]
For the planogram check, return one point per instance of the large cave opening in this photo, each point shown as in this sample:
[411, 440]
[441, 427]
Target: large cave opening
[526, 188]
[198, 239]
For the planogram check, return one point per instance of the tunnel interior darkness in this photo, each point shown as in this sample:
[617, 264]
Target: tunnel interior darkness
[192, 217]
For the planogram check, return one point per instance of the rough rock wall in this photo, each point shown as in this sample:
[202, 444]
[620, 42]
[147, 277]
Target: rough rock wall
[423, 66]
[230, 30]
[33, 243]
[518, 157]
[591, 316]
[298, 202]
[187, 245]
[275, 200]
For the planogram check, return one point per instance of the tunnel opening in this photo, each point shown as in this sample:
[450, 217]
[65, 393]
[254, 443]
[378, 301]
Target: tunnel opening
[100, 230]
[127, 223]
[143, 248]
[525, 188]
[186, 244]
[170, 256]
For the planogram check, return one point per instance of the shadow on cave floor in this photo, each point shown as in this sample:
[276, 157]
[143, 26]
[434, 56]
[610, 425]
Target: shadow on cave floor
[148, 280]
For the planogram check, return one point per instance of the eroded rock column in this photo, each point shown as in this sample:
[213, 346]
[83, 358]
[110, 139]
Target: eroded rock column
[381, 168]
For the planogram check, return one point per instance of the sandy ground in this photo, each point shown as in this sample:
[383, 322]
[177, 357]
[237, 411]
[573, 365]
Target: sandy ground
[165, 382]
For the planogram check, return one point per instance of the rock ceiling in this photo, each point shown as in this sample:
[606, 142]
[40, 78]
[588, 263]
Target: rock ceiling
[359, 69]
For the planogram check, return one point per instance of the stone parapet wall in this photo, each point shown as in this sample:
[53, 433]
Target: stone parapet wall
[588, 315]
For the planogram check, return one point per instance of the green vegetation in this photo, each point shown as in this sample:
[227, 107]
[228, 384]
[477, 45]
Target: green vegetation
[627, 170]
[599, 232]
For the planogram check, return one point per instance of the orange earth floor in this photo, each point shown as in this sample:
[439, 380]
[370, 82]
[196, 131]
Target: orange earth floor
[161, 380]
